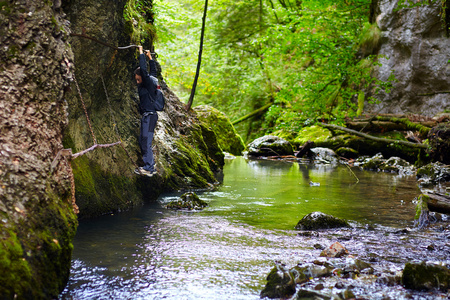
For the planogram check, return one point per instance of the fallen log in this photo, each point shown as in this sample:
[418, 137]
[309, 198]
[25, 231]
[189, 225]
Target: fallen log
[383, 123]
[438, 202]
[374, 138]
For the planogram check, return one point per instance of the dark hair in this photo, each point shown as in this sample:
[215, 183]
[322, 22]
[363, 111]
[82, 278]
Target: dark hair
[138, 71]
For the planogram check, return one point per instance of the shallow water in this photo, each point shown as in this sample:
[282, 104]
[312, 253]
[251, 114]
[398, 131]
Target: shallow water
[227, 250]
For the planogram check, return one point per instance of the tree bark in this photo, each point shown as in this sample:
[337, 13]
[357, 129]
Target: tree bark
[199, 62]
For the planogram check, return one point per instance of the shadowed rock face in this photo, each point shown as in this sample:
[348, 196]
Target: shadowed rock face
[186, 152]
[37, 220]
[416, 50]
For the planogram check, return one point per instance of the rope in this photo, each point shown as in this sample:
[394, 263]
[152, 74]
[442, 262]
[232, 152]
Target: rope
[85, 111]
[103, 43]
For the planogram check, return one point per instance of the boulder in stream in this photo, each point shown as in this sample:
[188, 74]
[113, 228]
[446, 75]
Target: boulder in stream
[426, 276]
[324, 155]
[270, 145]
[227, 137]
[188, 201]
[318, 220]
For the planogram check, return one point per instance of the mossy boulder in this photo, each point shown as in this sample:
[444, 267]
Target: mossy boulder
[426, 276]
[227, 137]
[318, 220]
[347, 152]
[315, 133]
[188, 201]
[270, 145]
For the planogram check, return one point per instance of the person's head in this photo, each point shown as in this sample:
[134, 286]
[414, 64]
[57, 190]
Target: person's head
[138, 76]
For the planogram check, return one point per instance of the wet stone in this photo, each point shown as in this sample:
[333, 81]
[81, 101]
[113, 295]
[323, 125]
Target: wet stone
[305, 294]
[426, 276]
[335, 250]
[280, 283]
[270, 145]
[188, 201]
[318, 220]
[324, 155]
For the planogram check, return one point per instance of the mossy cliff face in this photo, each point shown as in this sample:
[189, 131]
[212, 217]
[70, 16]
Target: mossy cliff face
[37, 220]
[186, 152]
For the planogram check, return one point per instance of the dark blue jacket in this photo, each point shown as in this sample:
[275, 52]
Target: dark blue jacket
[147, 89]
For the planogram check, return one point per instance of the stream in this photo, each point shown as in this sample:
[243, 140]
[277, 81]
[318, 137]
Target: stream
[227, 250]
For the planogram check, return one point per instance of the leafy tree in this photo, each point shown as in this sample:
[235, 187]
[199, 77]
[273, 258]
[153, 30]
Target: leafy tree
[310, 59]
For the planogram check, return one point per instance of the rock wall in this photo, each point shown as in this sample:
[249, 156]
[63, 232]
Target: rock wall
[186, 152]
[37, 220]
[416, 49]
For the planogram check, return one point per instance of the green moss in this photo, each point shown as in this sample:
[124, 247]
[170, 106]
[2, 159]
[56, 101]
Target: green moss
[98, 191]
[15, 270]
[370, 38]
[361, 98]
[139, 21]
[313, 133]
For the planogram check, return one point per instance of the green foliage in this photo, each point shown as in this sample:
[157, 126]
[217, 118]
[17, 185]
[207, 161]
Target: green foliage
[311, 59]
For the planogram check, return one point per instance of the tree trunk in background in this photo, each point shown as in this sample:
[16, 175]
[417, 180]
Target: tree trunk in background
[199, 62]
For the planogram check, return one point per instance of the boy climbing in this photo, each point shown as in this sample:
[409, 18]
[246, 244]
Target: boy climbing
[147, 87]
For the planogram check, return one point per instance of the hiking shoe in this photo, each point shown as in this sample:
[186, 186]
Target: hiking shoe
[147, 173]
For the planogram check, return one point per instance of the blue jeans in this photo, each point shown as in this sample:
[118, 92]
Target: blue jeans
[148, 124]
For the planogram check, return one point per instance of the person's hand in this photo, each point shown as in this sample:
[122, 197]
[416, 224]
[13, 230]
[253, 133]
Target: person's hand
[140, 49]
[148, 54]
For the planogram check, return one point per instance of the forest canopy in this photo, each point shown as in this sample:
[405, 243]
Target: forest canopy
[300, 61]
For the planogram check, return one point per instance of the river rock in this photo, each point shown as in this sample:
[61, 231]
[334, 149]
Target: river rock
[280, 283]
[318, 220]
[324, 155]
[398, 165]
[311, 295]
[187, 201]
[433, 173]
[426, 276]
[335, 250]
[270, 145]
[227, 137]
[371, 163]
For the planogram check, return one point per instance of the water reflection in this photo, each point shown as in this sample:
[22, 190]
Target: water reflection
[226, 251]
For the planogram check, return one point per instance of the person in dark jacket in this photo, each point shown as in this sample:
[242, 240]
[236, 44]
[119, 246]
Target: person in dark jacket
[147, 91]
